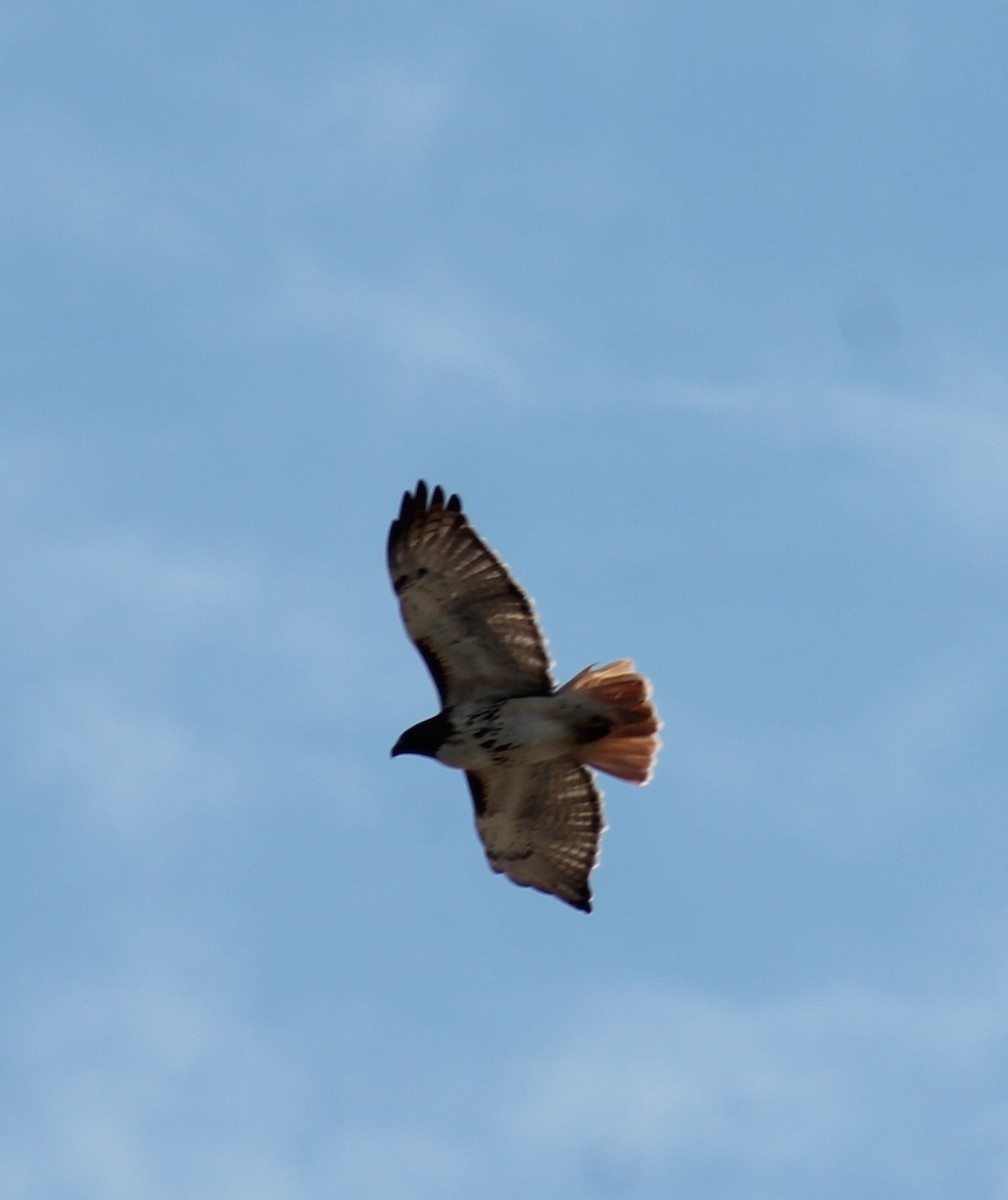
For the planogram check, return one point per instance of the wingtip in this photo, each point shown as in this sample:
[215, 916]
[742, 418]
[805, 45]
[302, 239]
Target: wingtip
[406, 507]
[424, 499]
[412, 503]
[416, 506]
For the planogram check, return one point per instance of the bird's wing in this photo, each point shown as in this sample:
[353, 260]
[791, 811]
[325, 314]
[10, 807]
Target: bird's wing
[471, 622]
[541, 825]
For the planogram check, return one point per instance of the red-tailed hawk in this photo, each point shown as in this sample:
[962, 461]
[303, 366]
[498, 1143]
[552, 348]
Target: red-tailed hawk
[524, 744]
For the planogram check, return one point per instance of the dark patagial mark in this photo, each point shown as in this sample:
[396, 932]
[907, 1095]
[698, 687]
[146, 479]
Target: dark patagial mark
[434, 666]
[478, 792]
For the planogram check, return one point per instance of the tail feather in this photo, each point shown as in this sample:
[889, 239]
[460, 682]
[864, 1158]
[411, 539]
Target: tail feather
[631, 747]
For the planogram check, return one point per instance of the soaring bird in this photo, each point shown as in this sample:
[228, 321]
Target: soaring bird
[525, 745]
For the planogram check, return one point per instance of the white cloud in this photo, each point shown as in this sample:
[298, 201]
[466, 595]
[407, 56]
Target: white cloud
[959, 445]
[783, 1095]
[386, 115]
[150, 1083]
[98, 621]
[125, 583]
[431, 327]
[846, 780]
[949, 451]
[151, 679]
[395, 1163]
[283, 144]
[67, 183]
[132, 570]
[136, 768]
[156, 1081]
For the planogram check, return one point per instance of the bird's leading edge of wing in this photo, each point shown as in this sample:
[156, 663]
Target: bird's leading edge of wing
[472, 623]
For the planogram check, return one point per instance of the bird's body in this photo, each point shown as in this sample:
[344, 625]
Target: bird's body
[516, 731]
[524, 744]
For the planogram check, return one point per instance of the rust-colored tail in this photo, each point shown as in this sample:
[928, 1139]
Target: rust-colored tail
[629, 750]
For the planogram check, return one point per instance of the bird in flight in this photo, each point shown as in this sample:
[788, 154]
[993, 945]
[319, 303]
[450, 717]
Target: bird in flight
[525, 745]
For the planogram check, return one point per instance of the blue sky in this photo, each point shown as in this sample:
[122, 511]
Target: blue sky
[702, 309]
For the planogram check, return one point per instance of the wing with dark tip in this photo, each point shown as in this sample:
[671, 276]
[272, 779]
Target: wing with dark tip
[541, 826]
[473, 625]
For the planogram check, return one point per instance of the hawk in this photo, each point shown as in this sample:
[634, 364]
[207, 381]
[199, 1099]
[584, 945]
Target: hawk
[525, 745]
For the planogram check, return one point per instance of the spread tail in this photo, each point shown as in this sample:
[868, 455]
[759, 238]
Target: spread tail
[629, 750]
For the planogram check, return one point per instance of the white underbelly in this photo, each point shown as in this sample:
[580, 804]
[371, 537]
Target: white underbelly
[523, 731]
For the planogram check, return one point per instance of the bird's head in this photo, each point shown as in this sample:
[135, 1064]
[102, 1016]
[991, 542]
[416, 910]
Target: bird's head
[426, 738]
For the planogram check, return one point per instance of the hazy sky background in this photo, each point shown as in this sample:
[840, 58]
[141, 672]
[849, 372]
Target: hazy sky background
[702, 308]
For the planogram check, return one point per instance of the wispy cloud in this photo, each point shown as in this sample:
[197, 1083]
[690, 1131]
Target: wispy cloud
[69, 185]
[150, 1082]
[285, 142]
[383, 114]
[136, 769]
[846, 780]
[947, 448]
[145, 673]
[388, 1162]
[156, 1080]
[425, 328]
[132, 571]
[786, 1097]
[99, 733]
